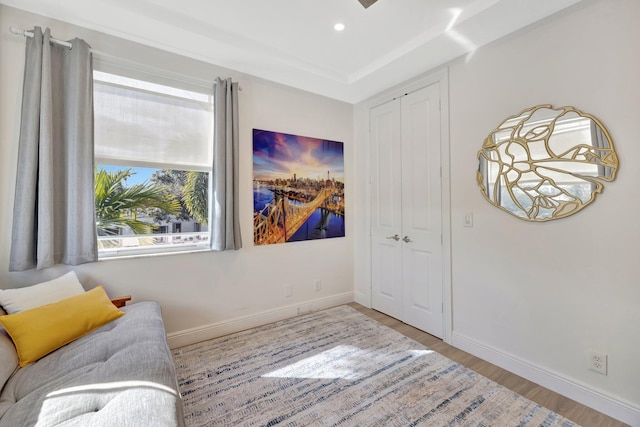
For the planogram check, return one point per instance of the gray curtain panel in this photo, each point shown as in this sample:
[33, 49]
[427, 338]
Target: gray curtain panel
[54, 212]
[225, 221]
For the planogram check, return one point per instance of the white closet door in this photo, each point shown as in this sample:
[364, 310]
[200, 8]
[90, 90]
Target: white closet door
[386, 209]
[406, 202]
[422, 210]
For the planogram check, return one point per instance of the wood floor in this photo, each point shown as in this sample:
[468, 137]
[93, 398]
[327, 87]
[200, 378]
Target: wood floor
[568, 408]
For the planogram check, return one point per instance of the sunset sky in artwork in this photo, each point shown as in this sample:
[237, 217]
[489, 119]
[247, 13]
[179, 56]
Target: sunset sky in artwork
[281, 155]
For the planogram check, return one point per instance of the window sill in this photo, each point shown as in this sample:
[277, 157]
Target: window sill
[149, 254]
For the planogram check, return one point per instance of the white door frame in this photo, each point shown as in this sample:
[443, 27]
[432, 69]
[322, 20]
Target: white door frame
[362, 273]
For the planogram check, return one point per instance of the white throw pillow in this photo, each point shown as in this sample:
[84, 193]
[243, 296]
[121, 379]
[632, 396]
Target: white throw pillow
[17, 300]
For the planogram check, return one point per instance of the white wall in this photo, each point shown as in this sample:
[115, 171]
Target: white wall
[536, 298]
[210, 288]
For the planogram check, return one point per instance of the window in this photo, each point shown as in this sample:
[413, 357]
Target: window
[153, 155]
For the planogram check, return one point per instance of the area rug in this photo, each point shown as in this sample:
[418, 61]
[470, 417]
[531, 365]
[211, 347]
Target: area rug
[338, 367]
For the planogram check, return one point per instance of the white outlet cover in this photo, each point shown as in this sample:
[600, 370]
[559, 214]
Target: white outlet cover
[598, 362]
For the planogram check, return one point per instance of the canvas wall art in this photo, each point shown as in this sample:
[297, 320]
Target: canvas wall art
[298, 188]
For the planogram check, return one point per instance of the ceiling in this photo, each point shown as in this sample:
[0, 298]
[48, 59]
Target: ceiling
[293, 41]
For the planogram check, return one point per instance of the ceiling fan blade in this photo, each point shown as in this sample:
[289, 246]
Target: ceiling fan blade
[367, 3]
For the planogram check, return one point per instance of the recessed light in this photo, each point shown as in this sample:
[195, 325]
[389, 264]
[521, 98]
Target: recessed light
[339, 26]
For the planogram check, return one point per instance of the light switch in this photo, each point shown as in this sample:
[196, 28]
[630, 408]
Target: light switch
[468, 219]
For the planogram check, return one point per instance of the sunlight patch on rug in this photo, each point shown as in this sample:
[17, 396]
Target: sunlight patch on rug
[338, 367]
[334, 363]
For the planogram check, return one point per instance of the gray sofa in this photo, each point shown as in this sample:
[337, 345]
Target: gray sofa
[121, 374]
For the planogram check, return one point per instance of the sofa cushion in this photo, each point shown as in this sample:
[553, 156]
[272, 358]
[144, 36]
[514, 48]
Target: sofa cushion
[39, 331]
[16, 300]
[121, 374]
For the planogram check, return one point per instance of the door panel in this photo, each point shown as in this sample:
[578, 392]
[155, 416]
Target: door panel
[386, 211]
[419, 302]
[422, 209]
[388, 269]
[419, 265]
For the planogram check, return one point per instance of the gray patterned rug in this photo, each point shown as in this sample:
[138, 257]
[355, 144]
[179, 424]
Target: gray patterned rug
[338, 367]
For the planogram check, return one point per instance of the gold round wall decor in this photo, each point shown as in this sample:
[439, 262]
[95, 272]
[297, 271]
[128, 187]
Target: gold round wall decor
[546, 163]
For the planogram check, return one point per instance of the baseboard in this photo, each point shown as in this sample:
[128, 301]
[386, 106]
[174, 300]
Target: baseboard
[617, 408]
[214, 330]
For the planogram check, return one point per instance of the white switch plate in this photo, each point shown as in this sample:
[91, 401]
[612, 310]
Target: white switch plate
[468, 219]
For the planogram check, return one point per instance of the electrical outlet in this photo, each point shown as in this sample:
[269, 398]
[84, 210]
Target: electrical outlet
[288, 291]
[318, 285]
[598, 362]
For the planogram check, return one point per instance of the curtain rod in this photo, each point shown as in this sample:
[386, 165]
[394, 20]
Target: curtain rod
[27, 33]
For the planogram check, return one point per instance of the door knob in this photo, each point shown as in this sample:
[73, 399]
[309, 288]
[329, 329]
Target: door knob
[406, 239]
[394, 237]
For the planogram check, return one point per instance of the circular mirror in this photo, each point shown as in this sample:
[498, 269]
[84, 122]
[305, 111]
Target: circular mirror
[546, 163]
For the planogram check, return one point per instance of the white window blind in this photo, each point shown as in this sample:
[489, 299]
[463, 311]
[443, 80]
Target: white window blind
[142, 123]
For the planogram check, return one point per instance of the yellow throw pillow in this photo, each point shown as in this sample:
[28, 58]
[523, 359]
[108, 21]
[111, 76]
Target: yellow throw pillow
[39, 331]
